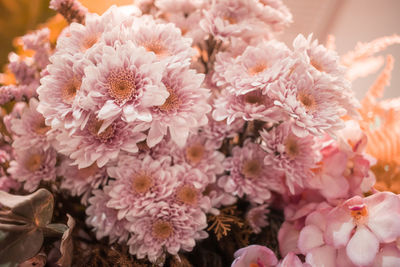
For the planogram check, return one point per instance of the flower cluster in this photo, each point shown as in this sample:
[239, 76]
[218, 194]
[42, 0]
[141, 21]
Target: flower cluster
[161, 115]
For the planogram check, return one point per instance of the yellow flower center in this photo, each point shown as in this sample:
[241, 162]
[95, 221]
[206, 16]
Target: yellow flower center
[121, 85]
[141, 183]
[162, 229]
[40, 127]
[94, 126]
[307, 100]
[157, 47]
[34, 162]
[187, 194]
[172, 103]
[195, 153]
[359, 214]
[291, 147]
[69, 91]
[251, 168]
[259, 67]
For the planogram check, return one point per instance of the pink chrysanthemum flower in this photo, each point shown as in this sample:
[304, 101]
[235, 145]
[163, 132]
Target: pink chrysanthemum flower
[163, 40]
[315, 105]
[234, 18]
[258, 66]
[92, 144]
[139, 184]
[250, 106]
[33, 165]
[362, 224]
[81, 182]
[275, 13]
[219, 130]
[125, 83]
[31, 129]
[285, 152]
[184, 109]
[104, 220]
[200, 153]
[166, 227]
[248, 174]
[77, 38]
[58, 90]
[257, 217]
[254, 255]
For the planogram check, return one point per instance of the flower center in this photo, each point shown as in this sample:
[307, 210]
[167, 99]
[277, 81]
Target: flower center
[162, 229]
[88, 171]
[195, 153]
[34, 162]
[94, 126]
[89, 42]
[359, 213]
[187, 194]
[142, 183]
[157, 47]
[316, 65]
[172, 102]
[230, 19]
[307, 100]
[291, 147]
[40, 127]
[251, 168]
[121, 85]
[69, 91]
[254, 97]
[259, 67]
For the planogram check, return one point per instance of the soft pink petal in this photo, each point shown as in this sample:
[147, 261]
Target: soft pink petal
[310, 237]
[339, 227]
[322, 256]
[362, 247]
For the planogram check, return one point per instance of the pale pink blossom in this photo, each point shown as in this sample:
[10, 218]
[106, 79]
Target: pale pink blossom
[248, 175]
[290, 154]
[254, 255]
[94, 144]
[234, 18]
[362, 224]
[104, 219]
[125, 83]
[139, 185]
[33, 165]
[30, 130]
[257, 217]
[315, 104]
[200, 153]
[166, 227]
[183, 111]
[81, 182]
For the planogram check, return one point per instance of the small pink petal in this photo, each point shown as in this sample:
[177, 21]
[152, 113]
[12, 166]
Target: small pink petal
[362, 247]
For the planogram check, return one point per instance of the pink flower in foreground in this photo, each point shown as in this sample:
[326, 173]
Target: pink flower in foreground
[166, 227]
[285, 152]
[362, 224]
[254, 255]
[103, 219]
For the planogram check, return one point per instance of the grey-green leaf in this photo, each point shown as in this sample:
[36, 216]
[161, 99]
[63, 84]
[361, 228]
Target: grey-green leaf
[20, 246]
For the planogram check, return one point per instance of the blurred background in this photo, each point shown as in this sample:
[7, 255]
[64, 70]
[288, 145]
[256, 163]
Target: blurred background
[350, 21]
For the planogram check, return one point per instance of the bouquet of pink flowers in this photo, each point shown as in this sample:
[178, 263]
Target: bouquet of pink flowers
[176, 132]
